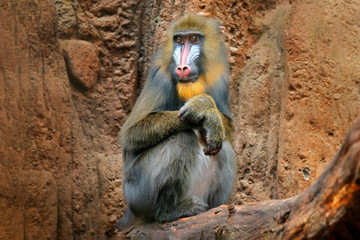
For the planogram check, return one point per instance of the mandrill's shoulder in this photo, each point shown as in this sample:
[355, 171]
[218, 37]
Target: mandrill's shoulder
[159, 78]
[220, 93]
[159, 88]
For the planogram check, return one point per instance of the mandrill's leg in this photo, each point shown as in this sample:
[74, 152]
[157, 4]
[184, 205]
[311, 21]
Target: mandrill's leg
[189, 206]
[156, 186]
[173, 201]
[222, 186]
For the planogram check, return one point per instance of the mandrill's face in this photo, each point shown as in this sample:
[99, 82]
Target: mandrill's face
[194, 56]
[186, 55]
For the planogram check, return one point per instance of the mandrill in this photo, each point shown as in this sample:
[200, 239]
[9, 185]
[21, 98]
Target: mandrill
[178, 161]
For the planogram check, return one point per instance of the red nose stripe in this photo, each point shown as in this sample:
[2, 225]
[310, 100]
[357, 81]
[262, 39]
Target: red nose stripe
[183, 70]
[185, 49]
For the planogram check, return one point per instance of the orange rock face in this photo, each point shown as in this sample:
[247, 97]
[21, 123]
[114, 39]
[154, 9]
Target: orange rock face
[294, 94]
[82, 63]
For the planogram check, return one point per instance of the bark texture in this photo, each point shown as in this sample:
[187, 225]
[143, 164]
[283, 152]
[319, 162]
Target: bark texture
[70, 72]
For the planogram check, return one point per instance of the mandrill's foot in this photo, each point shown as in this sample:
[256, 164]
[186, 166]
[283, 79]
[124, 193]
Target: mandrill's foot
[127, 220]
[190, 206]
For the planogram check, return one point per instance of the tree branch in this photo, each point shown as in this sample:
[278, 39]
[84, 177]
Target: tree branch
[329, 208]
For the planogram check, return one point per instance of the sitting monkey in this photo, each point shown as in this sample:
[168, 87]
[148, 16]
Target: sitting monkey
[178, 161]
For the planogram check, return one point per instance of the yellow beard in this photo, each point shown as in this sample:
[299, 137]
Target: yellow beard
[189, 90]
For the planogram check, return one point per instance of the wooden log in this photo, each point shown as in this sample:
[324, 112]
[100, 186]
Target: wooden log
[328, 209]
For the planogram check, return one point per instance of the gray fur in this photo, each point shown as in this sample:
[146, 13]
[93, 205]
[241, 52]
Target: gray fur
[160, 185]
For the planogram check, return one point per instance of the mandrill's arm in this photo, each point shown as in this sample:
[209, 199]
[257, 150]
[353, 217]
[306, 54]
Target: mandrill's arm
[229, 126]
[152, 129]
[214, 127]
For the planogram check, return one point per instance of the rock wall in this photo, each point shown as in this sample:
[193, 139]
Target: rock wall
[71, 70]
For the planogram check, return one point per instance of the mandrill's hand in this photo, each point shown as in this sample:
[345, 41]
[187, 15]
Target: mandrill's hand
[193, 112]
[201, 112]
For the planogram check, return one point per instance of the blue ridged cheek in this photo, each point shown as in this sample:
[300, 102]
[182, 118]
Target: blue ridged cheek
[194, 53]
[176, 55]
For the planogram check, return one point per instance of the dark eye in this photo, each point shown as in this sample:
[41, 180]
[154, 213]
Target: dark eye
[194, 39]
[178, 40]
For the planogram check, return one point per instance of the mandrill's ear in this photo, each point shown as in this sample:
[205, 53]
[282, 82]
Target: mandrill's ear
[222, 29]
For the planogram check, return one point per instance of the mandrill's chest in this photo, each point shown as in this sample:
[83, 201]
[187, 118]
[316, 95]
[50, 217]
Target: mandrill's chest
[203, 173]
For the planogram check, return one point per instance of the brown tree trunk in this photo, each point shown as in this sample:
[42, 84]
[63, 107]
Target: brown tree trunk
[328, 209]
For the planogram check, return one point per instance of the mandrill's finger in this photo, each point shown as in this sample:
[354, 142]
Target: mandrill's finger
[187, 114]
[182, 112]
[211, 150]
[214, 152]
